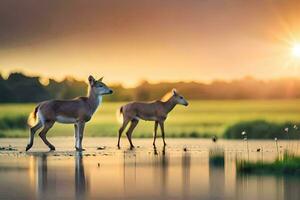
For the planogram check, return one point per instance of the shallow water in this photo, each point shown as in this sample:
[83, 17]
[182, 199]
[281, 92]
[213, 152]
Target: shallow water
[142, 173]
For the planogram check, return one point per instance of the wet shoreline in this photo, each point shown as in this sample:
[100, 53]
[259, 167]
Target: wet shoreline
[181, 170]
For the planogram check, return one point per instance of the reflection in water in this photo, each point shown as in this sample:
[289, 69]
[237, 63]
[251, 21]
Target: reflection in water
[138, 170]
[80, 181]
[186, 165]
[216, 174]
[259, 187]
[41, 174]
[267, 187]
[164, 172]
[291, 187]
[129, 171]
[144, 173]
[161, 170]
[248, 187]
[47, 180]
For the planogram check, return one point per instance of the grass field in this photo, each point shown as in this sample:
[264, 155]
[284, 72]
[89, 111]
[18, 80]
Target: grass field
[200, 118]
[289, 164]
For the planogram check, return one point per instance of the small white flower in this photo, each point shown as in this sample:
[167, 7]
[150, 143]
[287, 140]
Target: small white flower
[295, 127]
[286, 129]
[275, 139]
[244, 133]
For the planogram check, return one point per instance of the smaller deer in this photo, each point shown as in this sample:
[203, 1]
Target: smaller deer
[77, 111]
[156, 111]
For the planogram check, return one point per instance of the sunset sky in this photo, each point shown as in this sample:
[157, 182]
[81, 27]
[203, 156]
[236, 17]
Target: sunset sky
[130, 40]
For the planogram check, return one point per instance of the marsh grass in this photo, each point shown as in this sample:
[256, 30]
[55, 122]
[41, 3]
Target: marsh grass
[262, 129]
[289, 164]
[217, 156]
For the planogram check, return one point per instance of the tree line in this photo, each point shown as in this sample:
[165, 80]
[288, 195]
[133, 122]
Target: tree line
[17, 88]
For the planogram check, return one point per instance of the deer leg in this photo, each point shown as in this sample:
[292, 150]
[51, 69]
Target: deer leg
[76, 135]
[125, 122]
[43, 133]
[133, 124]
[32, 132]
[80, 136]
[155, 132]
[162, 131]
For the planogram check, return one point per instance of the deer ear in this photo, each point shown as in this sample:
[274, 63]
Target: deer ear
[174, 91]
[100, 79]
[91, 80]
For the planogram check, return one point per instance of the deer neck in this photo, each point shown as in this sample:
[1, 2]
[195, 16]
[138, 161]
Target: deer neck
[94, 100]
[169, 105]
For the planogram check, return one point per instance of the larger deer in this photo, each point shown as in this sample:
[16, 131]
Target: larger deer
[76, 111]
[156, 111]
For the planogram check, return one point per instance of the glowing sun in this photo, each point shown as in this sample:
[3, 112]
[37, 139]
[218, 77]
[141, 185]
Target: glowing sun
[296, 50]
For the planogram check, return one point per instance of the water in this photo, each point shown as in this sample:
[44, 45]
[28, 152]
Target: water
[143, 173]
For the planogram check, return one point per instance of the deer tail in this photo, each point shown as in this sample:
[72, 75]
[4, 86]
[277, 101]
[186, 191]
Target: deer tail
[31, 121]
[120, 115]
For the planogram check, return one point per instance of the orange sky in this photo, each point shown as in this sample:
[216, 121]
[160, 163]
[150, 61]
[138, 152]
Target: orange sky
[130, 40]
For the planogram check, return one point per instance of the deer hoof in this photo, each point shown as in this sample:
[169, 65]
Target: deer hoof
[52, 148]
[28, 147]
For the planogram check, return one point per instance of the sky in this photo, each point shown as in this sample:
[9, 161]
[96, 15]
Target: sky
[127, 41]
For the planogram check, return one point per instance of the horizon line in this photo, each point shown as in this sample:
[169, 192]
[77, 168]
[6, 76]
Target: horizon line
[44, 79]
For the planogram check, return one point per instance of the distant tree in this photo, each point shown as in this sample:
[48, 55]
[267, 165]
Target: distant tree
[143, 92]
[120, 93]
[67, 89]
[20, 88]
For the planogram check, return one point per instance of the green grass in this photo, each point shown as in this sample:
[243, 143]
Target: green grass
[261, 129]
[13, 122]
[289, 164]
[217, 157]
[200, 118]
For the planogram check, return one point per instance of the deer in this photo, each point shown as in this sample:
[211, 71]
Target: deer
[77, 111]
[156, 111]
